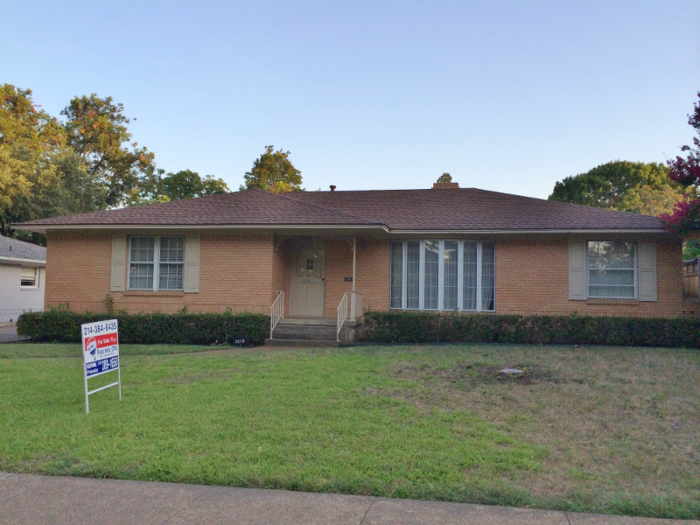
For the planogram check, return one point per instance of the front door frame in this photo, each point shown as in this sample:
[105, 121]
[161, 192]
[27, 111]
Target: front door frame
[297, 244]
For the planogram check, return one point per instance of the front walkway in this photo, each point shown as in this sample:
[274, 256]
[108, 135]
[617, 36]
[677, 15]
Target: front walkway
[8, 333]
[26, 499]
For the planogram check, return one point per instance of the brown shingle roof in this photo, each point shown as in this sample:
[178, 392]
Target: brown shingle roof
[466, 209]
[474, 209]
[253, 207]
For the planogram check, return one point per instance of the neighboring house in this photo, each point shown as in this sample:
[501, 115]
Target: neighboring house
[22, 267]
[443, 249]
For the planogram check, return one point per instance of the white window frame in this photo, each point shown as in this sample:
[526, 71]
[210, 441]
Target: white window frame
[34, 286]
[441, 276]
[156, 264]
[635, 274]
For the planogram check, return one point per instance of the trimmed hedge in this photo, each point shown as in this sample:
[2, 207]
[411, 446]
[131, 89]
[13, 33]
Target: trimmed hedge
[157, 328]
[429, 327]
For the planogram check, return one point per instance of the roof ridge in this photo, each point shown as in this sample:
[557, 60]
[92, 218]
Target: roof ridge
[340, 213]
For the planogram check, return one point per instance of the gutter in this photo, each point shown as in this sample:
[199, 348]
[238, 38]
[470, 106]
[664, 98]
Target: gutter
[524, 232]
[34, 262]
[111, 227]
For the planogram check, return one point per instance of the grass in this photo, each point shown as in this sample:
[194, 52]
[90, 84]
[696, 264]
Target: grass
[14, 350]
[611, 430]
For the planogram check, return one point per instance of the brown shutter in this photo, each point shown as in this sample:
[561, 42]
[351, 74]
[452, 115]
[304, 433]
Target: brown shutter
[647, 271]
[192, 264]
[118, 279]
[577, 271]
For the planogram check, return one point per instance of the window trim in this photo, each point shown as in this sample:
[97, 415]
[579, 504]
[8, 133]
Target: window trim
[156, 264]
[441, 277]
[635, 274]
[37, 274]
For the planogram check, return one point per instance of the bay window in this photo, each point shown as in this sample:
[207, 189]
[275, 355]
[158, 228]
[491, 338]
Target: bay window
[156, 263]
[443, 275]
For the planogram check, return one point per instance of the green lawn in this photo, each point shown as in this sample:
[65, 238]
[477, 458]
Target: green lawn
[588, 429]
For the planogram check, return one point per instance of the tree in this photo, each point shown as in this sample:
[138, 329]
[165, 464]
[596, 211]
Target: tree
[273, 171]
[622, 185]
[29, 137]
[444, 178]
[185, 184]
[96, 130]
[685, 217]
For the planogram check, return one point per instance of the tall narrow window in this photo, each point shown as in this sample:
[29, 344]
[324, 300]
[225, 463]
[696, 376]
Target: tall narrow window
[488, 275]
[141, 263]
[432, 267]
[443, 275]
[413, 275]
[450, 272]
[469, 279]
[396, 274]
[611, 270]
[172, 260]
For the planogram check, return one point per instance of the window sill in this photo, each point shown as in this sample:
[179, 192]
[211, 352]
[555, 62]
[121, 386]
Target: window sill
[151, 293]
[630, 302]
[29, 288]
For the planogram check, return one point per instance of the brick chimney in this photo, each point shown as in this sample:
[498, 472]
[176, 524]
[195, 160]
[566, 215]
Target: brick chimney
[445, 185]
[332, 187]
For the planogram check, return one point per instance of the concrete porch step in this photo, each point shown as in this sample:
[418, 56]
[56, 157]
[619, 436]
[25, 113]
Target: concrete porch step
[306, 321]
[302, 343]
[306, 332]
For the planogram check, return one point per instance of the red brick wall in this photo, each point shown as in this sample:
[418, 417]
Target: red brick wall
[532, 277]
[244, 272]
[236, 272]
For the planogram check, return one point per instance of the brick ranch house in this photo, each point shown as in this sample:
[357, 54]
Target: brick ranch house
[317, 254]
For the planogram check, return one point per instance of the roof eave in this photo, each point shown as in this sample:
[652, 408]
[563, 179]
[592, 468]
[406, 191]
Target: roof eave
[566, 231]
[44, 228]
[19, 260]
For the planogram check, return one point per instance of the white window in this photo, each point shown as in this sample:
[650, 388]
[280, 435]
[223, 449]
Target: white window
[30, 277]
[443, 275]
[156, 263]
[611, 270]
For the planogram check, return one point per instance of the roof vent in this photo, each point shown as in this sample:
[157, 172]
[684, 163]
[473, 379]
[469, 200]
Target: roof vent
[445, 185]
[332, 187]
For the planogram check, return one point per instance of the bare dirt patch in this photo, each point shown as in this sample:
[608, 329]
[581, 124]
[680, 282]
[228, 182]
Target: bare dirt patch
[610, 419]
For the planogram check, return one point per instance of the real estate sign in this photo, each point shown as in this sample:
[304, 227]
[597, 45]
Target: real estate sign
[100, 354]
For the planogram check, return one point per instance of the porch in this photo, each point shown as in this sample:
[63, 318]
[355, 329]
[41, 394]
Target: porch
[318, 300]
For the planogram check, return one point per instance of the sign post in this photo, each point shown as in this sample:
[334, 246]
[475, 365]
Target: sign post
[101, 354]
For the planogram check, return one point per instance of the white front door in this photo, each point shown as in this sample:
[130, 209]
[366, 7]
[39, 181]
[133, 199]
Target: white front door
[308, 276]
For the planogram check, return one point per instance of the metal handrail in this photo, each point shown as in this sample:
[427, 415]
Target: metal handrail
[342, 314]
[276, 311]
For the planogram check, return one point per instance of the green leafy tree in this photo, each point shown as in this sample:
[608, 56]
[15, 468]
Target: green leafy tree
[444, 178]
[185, 184]
[273, 171]
[622, 185]
[691, 250]
[29, 138]
[97, 132]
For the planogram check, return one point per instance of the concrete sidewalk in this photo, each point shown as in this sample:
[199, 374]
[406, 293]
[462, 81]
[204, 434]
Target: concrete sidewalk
[8, 333]
[26, 499]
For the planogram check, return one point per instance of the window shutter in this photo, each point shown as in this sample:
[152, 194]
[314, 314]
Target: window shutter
[647, 271]
[577, 271]
[192, 264]
[118, 263]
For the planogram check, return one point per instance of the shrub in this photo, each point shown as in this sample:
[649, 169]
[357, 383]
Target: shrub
[431, 327]
[157, 328]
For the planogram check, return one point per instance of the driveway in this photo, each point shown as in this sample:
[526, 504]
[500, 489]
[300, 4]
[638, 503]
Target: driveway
[8, 333]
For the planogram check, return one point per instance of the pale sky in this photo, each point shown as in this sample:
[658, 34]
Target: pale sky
[508, 96]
